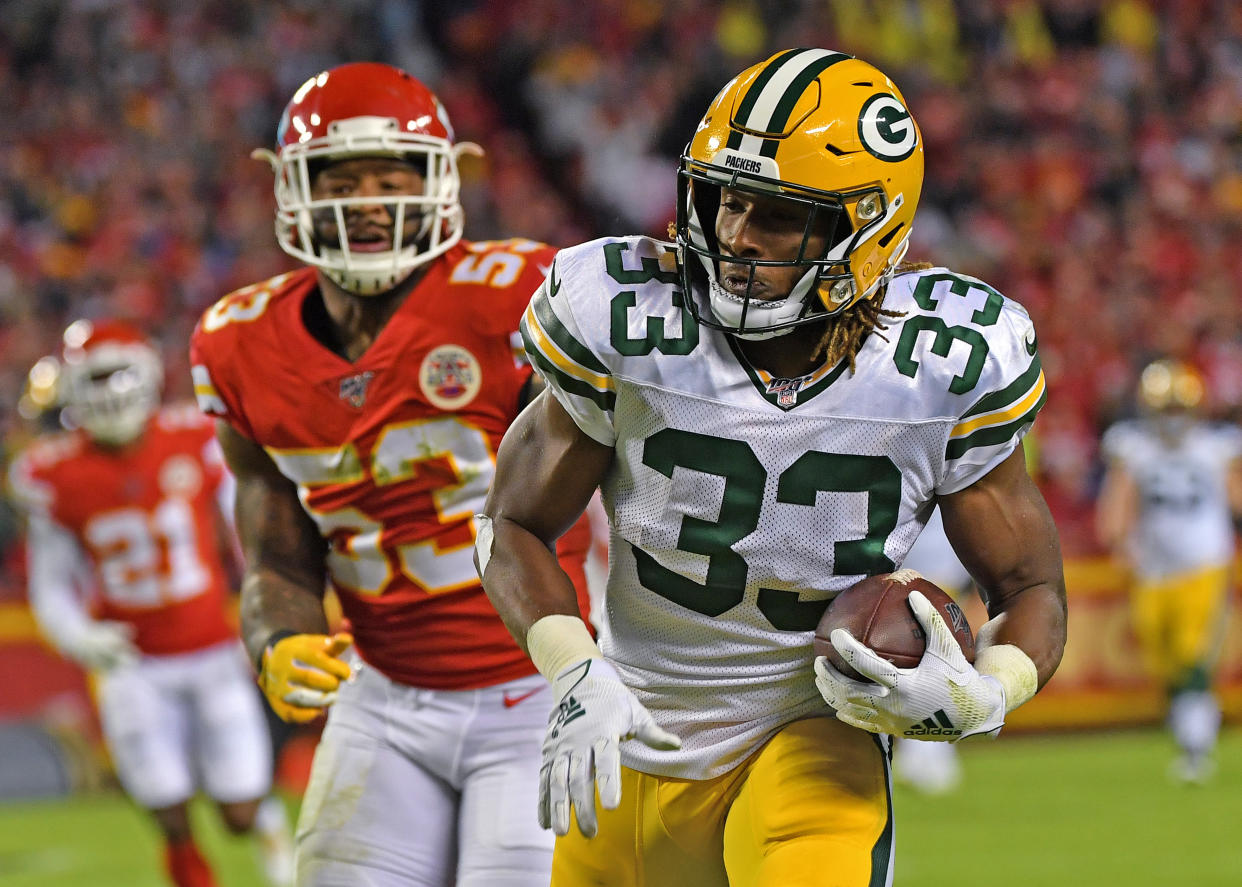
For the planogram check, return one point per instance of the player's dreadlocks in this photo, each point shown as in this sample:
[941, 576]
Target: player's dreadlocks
[845, 333]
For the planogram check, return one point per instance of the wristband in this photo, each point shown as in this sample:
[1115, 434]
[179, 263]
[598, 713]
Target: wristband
[272, 640]
[555, 642]
[1015, 671]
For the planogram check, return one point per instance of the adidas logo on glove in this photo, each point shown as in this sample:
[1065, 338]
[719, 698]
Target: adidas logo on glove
[937, 725]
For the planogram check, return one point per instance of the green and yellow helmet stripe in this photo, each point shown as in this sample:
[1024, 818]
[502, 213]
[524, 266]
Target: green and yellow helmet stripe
[768, 102]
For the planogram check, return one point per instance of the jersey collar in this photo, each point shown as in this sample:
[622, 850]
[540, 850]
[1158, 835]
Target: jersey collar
[785, 394]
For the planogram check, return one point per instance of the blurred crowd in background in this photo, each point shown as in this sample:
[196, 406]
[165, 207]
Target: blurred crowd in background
[1083, 156]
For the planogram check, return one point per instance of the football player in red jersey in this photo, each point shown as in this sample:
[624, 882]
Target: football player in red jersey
[129, 508]
[361, 401]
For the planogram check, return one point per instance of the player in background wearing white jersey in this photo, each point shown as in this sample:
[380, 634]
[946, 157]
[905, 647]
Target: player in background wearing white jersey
[1172, 488]
[128, 541]
[771, 408]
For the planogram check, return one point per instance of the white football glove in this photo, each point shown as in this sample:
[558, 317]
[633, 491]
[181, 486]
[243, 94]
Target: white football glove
[102, 645]
[595, 713]
[943, 698]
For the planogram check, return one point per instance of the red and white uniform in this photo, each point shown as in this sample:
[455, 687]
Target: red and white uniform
[429, 762]
[393, 454]
[138, 531]
[146, 516]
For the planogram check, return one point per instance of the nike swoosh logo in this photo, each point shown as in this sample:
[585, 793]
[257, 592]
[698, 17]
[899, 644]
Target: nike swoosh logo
[554, 285]
[1030, 343]
[511, 701]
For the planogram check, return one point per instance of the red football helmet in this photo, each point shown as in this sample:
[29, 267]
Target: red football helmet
[112, 379]
[366, 109]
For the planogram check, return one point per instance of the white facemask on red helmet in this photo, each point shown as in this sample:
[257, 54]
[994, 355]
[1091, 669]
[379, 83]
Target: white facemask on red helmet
[112, 379]
[366, 109]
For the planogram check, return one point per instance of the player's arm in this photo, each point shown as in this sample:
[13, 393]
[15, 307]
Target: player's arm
[532, 388]
[547, 469]
[1003, 532]
[283, 622]
[1117, 506]
[57, 567]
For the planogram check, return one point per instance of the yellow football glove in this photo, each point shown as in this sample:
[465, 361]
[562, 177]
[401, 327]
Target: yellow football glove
[301, 673]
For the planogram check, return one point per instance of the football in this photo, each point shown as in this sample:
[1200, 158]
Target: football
[875, 611]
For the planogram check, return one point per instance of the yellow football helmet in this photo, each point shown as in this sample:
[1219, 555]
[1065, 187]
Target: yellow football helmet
[832, 134]
[1170, 385]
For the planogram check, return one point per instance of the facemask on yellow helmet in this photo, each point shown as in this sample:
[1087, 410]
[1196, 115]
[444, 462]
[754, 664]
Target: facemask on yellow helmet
[831, 134]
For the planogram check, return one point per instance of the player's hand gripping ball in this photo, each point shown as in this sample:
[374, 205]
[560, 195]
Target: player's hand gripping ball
[914, 675]
[876, 612]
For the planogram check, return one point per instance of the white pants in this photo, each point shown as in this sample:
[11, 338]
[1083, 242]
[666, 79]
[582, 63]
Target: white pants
[427, 787]
[174, 724]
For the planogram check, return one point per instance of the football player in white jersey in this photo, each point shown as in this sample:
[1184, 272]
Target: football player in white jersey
[771, 407]
[1173, 484]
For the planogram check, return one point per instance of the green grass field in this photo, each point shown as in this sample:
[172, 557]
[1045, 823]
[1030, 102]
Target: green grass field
[1050, 811]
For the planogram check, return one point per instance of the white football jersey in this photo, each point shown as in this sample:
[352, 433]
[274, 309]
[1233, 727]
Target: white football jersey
[1184, 522]
[740, 504]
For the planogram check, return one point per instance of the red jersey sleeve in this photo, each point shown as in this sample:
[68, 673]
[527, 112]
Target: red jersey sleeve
[512, 270]
[217, 359]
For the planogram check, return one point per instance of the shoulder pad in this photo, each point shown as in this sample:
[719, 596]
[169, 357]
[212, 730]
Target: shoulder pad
[573, 329]
[248, 303]
[978, 356]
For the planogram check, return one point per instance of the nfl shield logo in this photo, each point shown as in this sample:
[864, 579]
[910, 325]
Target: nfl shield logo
[354, 389]
[786, 390]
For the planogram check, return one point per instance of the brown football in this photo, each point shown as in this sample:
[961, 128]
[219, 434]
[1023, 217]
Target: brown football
[875, 611]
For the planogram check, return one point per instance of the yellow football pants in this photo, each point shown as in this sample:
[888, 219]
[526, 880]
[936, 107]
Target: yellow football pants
[1179, 620]
[812, 807]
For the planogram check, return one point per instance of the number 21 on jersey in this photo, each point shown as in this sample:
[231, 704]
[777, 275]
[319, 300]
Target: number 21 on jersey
[148, 559]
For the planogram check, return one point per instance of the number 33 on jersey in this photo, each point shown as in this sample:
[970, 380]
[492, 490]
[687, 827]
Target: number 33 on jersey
[749, 500]
[392, 453]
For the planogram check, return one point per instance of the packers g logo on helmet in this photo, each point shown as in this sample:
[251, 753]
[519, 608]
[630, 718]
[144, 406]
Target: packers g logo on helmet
[886, 128]
[832, 135]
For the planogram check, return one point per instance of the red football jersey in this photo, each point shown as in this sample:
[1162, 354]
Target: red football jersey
[393, 454]
[146, 516]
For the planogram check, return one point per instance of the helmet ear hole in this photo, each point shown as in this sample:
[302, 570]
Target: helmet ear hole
[889, 235]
